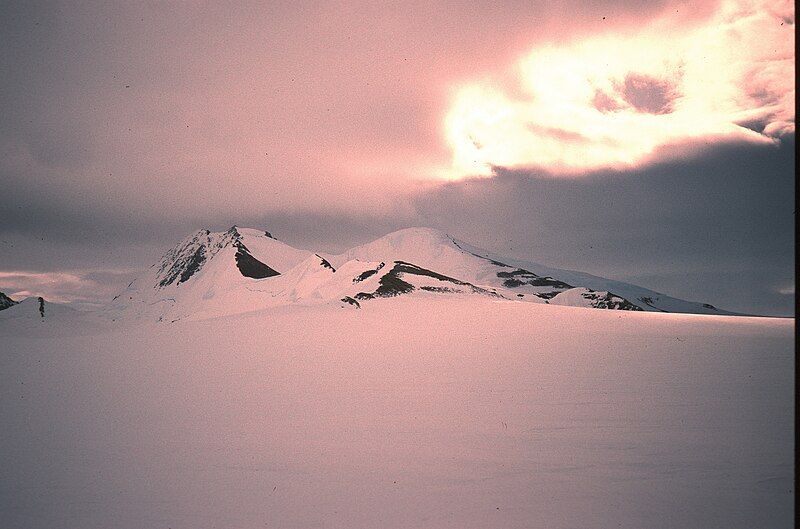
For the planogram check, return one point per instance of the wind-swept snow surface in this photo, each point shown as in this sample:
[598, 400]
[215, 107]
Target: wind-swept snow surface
[414, 411]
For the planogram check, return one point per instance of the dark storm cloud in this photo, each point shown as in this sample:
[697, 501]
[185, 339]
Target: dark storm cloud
[719, 228]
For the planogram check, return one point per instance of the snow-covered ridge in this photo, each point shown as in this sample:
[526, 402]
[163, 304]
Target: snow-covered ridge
[212, 274]
[33, 311]
[184, 260]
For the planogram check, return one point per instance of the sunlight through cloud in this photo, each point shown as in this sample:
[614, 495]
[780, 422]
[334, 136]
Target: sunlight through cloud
[625, 100]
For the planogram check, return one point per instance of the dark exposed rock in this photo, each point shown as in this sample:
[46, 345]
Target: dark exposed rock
[392, 285]
[41, 306]
[348, 299]
[548, 295]
[182, 263]
[408, 268]
[325, 263]
[519, 277]
[193, 265]
[367, 273]
[496, 263]
[249, 266]
[607, 300]
[443, 290]
[647, 300]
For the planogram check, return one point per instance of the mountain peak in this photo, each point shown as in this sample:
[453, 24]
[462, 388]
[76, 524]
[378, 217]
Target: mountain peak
[407, 241]
[6, 302]
[184, 260]
[418, 232]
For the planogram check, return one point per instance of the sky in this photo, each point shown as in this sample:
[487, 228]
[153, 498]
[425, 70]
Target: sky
[645, 141]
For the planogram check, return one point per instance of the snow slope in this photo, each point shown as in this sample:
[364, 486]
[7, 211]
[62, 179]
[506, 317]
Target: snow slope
[415, 411]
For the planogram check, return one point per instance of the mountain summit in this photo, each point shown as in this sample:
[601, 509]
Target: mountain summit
[6, 302]
[217, 273]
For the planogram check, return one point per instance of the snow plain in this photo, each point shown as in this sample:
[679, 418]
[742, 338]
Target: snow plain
[418, 412]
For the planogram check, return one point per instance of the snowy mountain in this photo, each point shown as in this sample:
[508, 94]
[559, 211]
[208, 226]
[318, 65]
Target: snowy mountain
[6, 302]
[29, 307]
[208, 268]
[439, 251]
[33, 309]
[211, 274]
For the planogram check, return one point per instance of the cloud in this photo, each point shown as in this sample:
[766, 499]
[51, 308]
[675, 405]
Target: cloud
[86, 287]
[626, 99]
[150, 110]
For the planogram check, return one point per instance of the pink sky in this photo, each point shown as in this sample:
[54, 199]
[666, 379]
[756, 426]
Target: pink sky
[304, 106]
